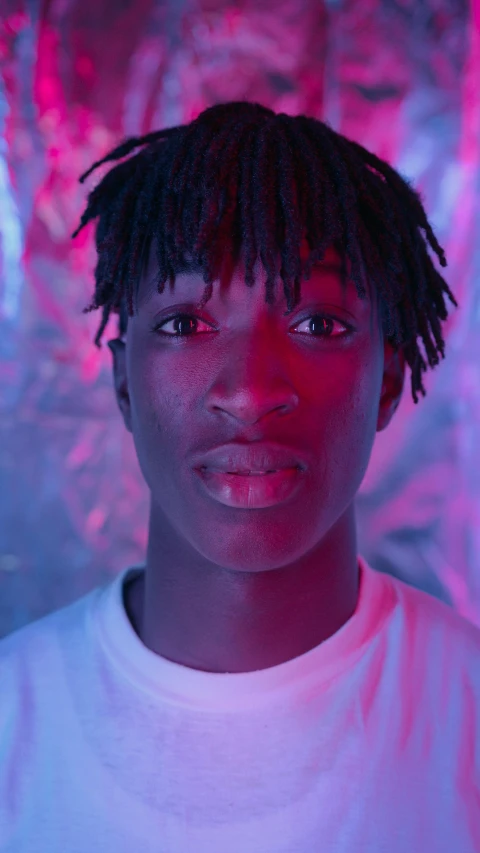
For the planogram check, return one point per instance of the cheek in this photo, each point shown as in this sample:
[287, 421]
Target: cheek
[158, 388]
[350, 426]
[160, 403]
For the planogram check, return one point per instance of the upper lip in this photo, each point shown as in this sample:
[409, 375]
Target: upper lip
[265, 456]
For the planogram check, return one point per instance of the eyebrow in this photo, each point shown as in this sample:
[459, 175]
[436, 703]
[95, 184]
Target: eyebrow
[150, 289]
[192, 267]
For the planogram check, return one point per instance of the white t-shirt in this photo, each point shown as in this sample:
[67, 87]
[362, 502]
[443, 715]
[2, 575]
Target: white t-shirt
[368, 743]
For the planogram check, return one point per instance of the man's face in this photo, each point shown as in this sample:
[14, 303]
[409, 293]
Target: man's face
[321, 387]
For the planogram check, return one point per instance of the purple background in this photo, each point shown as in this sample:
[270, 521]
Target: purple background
[77, 76]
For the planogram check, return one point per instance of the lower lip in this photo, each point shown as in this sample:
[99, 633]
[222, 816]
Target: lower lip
[251, 491]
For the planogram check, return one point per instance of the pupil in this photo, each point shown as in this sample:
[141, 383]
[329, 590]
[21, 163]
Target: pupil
[320, 324]
[179, 321]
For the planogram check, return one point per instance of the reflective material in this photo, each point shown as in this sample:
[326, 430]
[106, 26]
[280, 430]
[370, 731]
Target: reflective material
[76, 77]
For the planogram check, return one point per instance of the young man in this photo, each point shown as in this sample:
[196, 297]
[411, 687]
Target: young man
[256, 686]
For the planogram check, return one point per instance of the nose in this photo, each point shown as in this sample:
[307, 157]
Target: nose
[252, 383]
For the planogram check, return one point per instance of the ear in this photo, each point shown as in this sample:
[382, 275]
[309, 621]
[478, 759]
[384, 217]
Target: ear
[392, 385]
[120, 380]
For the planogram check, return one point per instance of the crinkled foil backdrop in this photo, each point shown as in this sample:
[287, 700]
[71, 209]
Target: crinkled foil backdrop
[77, 76]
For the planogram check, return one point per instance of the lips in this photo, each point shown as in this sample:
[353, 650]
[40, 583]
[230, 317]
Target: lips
[250, 459]
[251, 492]
[246, 473]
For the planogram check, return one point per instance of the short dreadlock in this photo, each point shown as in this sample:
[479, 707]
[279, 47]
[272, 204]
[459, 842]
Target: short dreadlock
[264, 181]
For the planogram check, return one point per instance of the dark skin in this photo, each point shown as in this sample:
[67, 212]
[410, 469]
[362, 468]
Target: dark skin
[237, 590]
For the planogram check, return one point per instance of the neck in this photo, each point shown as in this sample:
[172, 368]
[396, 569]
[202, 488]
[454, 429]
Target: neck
[218, 620]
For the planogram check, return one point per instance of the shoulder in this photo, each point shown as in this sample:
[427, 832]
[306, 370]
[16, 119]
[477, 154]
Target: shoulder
[34, 646]
[436, 627]
[434, 610]
[37, 663]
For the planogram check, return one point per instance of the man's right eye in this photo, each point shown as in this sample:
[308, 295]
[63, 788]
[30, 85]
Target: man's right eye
[180, 321]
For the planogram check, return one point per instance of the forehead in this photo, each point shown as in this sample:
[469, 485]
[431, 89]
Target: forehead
[327, 279]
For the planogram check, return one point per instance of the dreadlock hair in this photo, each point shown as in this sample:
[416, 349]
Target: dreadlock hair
[263, 181]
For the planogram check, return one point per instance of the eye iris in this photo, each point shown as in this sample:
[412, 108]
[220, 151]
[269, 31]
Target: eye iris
[320, 323]
[183, 318]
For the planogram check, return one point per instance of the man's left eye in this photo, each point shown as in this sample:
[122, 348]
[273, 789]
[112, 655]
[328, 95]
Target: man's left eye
[325, 324]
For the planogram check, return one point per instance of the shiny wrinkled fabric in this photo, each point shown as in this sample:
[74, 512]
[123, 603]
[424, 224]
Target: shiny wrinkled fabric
[76, 78]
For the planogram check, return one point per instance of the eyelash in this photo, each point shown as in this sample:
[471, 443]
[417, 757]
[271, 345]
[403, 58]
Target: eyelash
[157, 327]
